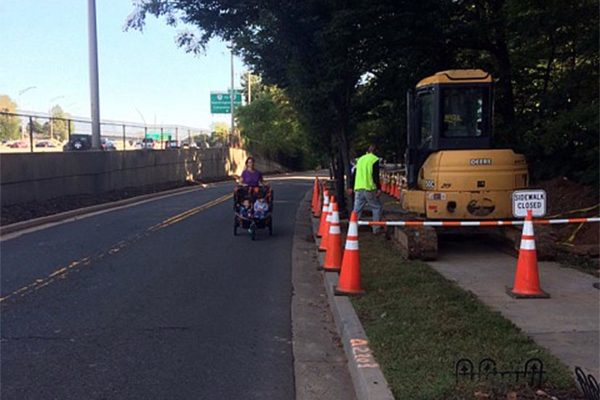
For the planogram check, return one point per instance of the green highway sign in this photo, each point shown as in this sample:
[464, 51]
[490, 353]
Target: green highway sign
[220, 102]
[166, 135]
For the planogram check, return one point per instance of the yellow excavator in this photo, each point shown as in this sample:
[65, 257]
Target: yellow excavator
[451, 170]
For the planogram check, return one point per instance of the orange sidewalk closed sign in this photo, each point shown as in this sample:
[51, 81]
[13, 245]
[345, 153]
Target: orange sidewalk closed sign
[534, 200]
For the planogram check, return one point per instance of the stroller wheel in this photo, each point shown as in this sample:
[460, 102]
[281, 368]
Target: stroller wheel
[235, 226]
[270, 228]
[252, 231]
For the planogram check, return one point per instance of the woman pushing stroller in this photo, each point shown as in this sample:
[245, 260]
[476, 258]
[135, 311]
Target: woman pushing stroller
[253, 201]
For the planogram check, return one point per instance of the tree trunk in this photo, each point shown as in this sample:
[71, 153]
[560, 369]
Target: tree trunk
[506, 105]
[345, 164]
[547, 75]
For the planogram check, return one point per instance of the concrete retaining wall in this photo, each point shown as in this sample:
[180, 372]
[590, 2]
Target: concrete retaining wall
[41, 176]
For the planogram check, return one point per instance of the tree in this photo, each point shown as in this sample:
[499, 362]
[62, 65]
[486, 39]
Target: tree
[9, 125]
[57, 126]
[271, 128]
[35, 126]
[256, 87]
[316, 59]
[219, 136]
[345, 66]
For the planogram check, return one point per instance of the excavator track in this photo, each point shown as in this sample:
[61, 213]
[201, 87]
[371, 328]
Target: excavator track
[413, 242]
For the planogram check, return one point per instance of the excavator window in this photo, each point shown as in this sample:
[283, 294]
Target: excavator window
[426, 118]
[464, 112]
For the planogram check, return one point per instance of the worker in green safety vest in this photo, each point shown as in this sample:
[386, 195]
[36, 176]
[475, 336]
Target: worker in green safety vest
[364, 182]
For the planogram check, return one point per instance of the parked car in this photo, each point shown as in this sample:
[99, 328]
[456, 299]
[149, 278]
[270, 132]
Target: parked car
[45, 143]
[148, 143]
[19, 144]
[106, 144]
[77, 142]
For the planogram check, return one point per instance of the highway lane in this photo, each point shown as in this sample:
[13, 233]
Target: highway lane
[182, 310]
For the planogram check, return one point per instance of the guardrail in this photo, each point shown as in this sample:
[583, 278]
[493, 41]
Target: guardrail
[41, 132]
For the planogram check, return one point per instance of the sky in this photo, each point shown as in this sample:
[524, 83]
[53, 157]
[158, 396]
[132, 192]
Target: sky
[144, 76]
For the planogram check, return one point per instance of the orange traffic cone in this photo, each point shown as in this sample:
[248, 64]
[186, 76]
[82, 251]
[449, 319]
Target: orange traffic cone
[527, 280]
[325, 236]
[333, 257]
[318, 205]
[324, 210]
[315, 196]
[349, 281]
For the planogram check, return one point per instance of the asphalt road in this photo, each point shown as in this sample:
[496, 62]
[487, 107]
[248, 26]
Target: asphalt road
[136, 304]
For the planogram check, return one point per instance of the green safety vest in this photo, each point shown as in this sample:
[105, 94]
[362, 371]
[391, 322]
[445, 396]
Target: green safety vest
[364, 172]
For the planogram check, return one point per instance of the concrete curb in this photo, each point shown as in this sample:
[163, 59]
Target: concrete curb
[367, 377]
[320, 364]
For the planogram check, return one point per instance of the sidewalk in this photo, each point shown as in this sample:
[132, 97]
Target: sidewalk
[567, 324]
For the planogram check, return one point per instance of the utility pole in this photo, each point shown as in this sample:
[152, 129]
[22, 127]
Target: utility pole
[249, 88]
[93, 60]
[231, 96]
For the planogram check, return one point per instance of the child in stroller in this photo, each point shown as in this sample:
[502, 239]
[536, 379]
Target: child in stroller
[253, 208]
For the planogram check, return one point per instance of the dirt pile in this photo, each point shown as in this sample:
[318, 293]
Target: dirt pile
[568, 199]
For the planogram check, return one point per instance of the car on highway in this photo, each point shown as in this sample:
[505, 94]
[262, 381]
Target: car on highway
[189, 146]
[147, 143]
[171, 144]
[78, 141]
[106, 144]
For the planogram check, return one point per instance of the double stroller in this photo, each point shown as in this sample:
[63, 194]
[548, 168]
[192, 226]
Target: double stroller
[244, 199]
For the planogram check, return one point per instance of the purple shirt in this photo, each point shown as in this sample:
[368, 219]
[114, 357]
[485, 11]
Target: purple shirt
[251, 178]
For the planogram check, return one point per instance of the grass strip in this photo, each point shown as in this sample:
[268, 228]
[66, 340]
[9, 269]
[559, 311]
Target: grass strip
[419, 325]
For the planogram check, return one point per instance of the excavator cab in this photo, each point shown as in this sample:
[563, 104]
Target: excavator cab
[451, 110]
[452, 172]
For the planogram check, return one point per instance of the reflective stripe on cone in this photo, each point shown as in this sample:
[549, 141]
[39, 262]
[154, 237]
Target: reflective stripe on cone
[333, 257]
[324, 237]
[323, 213]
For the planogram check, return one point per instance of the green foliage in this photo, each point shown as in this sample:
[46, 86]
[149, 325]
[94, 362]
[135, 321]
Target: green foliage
[57, 128]
[255, 87]
[270, 128]
[35, 126]
[220, 132]
[346, 67]
[9, 126]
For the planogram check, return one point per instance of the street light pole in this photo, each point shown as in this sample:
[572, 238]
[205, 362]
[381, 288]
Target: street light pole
[249, 87]
[231, 101]
[93, 61]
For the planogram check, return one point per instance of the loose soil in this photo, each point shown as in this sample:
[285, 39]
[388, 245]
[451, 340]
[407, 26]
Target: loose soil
[568, 199]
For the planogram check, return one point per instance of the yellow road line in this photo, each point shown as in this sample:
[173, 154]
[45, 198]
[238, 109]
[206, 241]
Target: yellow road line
[113, 249]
